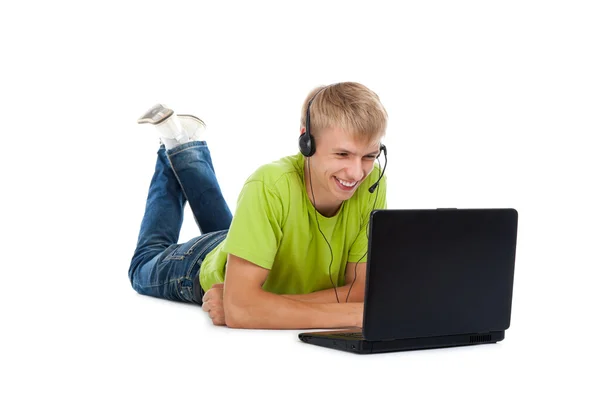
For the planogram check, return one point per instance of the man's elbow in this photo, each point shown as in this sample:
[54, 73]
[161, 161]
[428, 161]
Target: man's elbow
[357, 293]
[237, 313]
[233, 316]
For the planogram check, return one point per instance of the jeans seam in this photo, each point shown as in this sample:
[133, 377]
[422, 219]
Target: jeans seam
[190, 292]
[218, 236]
[205, 252]
[192, 144]
[161, 284]
[190, 250]
[179, 180]
[182, 289]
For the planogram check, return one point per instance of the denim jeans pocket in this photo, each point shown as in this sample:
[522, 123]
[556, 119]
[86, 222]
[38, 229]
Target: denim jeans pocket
[186, 249]
[185, 289]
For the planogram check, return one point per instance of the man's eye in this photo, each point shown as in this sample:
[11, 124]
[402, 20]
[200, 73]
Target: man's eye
[341, 154]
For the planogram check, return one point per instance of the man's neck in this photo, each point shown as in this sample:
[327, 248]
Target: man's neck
[326, 206]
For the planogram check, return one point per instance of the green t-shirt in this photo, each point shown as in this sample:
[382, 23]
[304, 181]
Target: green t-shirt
[274, 227]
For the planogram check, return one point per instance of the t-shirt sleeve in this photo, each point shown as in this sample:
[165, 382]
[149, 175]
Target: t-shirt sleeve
[255, 232]
[360, 246]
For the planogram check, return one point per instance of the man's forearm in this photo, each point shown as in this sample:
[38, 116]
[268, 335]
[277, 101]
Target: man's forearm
[264, 310]
[328, 295]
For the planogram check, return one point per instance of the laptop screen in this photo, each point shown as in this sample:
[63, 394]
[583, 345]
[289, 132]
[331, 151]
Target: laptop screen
[439, 272]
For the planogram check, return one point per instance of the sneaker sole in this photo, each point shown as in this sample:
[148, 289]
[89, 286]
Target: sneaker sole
[155, 115]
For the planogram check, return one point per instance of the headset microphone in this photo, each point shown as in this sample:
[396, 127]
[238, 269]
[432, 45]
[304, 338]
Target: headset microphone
[374, 186]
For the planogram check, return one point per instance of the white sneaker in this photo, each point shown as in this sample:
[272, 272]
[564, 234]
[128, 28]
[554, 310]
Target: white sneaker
[193, 126]
[170, 130]
[155, 115]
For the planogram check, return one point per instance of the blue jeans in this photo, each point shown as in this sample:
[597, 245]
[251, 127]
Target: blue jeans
[160, 266]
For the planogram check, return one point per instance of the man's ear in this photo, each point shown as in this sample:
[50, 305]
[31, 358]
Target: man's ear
[302, 130]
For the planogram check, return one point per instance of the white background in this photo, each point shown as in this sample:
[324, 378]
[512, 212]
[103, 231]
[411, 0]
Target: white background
[491, 104]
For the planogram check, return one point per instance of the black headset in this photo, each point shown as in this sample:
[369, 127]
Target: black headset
[306, 141]
[307, 145]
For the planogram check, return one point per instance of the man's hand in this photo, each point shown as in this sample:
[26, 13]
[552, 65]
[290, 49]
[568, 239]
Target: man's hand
[212, 303]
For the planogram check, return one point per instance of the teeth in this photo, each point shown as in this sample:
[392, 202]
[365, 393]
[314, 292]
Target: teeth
[347, 184]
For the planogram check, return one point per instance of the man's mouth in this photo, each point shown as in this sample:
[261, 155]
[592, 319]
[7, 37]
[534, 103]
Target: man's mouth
[345, 185]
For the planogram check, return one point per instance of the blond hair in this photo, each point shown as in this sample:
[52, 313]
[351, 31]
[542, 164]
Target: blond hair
[349, 106]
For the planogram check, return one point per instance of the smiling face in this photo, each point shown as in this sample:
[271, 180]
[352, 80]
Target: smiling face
[338, 167]
[348, 122]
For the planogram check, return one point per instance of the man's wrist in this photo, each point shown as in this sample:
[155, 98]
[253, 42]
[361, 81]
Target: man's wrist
[358, 319]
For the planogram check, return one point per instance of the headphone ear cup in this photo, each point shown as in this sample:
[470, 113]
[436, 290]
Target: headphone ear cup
[306, 143]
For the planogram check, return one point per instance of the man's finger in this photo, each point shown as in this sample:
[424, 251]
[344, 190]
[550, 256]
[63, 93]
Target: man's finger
[217, 318]
[218, 285]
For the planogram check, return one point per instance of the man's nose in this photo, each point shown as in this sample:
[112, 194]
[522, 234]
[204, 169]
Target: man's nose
[355, 169]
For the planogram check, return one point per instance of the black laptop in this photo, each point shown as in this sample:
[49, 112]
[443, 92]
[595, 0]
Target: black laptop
[435, 278]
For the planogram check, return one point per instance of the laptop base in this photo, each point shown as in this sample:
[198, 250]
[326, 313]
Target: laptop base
[337, 340]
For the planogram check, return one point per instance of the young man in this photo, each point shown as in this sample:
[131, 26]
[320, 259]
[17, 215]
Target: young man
[294, 254]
